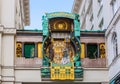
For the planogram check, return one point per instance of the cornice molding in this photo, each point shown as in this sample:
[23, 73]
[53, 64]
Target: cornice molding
[26, 12]
[76, 6]
[6, 30]
[9, 31]
[113, 22]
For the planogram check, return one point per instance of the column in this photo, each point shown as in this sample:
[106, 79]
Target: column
[36, 49]
[23, 49]
[1, 31]
[8, 55]
[86, 50]
[98, 50]
[8, 13]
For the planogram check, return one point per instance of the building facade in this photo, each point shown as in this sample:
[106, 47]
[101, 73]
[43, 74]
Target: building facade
[31, 62]
[103, 15]
[14, 14]
[21, 51]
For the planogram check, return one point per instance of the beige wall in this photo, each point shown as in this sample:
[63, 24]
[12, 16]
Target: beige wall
[8, 13]
[28, 75]
[95, 75]
[92, 75]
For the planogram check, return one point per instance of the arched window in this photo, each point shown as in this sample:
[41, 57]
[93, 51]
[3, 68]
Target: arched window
[114, 42]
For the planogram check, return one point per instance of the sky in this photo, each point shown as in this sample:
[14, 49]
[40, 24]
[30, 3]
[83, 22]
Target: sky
[38, 8]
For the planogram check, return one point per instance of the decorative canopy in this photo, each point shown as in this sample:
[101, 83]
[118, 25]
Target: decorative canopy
[62, 14]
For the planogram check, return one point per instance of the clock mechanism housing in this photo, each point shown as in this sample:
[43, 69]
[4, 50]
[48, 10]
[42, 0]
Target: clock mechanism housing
[61, 47]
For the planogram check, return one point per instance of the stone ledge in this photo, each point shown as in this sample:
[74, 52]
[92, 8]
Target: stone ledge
[1, 28]
[9, 31]
[8, 78]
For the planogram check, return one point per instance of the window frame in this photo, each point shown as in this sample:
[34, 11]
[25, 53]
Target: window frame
[29, 43]
[114, 6]
[94, 57]
[115, 44]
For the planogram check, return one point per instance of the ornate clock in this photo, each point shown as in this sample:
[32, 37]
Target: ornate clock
[61, 48]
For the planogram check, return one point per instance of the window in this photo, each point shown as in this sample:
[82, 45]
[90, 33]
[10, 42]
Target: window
[92, 51]
[91, 22]
[101, 25]
[29, 50]
[114, 6]
[100, 2]
[91, 18]
[114, 42]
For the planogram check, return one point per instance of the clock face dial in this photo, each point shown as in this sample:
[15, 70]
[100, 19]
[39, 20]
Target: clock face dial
[61, 52]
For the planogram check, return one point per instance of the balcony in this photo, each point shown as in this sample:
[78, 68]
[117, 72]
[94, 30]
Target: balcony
[94, 63]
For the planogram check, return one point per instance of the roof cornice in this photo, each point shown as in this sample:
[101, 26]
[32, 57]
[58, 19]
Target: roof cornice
[76, 6]
[26, 12]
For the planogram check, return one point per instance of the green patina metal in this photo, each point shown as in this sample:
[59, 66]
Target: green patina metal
[62, 14]
[34, 31]
[45, 26]
[76, 27]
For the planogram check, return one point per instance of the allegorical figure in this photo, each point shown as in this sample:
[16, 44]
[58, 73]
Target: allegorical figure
[65, 58]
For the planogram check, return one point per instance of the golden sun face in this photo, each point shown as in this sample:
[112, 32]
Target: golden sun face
[60, 25]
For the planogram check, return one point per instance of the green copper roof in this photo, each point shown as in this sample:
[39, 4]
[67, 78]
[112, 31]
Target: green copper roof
[37, 31]
[92, 31]
[40, 31]
[62, 14]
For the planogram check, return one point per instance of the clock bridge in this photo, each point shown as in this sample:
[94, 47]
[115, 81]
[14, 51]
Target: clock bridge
[61, 47]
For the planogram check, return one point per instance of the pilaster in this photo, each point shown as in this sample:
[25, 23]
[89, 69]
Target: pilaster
[8, 54]
[36, 49]
[1, 30]
[8, 13]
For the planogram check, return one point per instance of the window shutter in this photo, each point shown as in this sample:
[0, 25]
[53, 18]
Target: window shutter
[19, 49]
[39, 50]
[82, 50]
[102, 50]
[29, 50]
